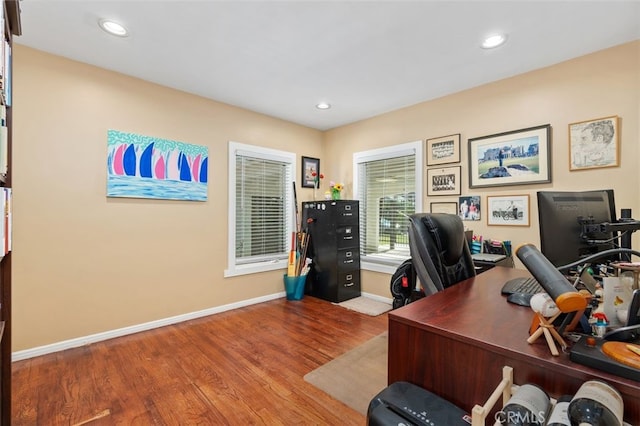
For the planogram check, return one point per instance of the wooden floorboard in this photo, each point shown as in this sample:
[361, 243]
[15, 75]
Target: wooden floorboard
[244, 366]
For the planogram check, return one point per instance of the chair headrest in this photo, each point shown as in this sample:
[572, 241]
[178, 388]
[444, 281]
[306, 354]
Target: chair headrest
[445, 230]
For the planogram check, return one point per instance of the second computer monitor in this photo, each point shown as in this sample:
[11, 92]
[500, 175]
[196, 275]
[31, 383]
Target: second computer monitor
[561, 238]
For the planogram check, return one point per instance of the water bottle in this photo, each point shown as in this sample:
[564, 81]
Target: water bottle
[528, 406]
[560, 414]
[596, 404]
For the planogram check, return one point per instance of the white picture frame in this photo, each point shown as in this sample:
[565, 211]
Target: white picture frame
[449, 207]
[508, 210]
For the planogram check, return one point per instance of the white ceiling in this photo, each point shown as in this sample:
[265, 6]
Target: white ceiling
[280, 58]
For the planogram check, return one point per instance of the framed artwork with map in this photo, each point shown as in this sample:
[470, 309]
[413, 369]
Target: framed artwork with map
[594, 144]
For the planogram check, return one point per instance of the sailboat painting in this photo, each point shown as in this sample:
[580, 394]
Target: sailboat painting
[146, 167]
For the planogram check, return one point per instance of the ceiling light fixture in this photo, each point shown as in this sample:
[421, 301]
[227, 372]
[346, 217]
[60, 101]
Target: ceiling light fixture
[494, 41]
[323, 105]
[113, 28]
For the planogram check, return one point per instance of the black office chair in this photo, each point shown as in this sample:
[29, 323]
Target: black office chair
[439, 250]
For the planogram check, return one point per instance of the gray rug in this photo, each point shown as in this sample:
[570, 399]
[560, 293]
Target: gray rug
[366, 305]
[355, 377]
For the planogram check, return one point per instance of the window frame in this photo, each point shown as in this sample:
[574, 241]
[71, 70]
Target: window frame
[373, 263]
[236, 148]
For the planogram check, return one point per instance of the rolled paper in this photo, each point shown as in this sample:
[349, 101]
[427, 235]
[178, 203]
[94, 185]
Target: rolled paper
[567, 298]
[544, 304]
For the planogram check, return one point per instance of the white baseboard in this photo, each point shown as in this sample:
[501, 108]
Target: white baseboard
[378, 298]
[98, 337]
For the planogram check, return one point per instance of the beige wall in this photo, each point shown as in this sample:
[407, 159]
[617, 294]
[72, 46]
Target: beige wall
[598, 85]
[85, 264]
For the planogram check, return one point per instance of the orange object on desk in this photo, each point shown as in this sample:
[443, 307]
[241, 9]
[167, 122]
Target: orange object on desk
[619, 351]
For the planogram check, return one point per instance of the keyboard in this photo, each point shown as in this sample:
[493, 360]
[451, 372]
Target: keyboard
[522, 285]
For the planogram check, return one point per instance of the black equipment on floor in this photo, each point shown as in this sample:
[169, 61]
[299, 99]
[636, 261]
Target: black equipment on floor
[406, 403]
[404, 286]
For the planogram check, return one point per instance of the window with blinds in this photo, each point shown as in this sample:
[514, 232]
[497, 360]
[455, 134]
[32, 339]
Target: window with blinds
[388, 181]
[262, 206]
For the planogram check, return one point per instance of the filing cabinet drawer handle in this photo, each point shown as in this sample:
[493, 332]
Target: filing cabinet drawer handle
[348, 261]
[348, 237]
[349, 284]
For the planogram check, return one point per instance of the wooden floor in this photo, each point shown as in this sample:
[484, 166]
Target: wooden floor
[244, 366]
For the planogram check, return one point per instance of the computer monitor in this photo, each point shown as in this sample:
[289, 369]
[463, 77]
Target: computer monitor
[561, 238]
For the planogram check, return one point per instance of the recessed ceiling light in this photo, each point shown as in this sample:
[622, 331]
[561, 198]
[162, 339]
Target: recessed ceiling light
[113, 28]
[494, 41]
[323, 105]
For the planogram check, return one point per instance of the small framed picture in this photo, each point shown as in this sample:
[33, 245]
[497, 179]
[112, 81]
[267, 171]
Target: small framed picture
[594, 144]
[469, 207]
[444, 181]
[310, 169]
[508, 210]
[446, 207]
[443, 150]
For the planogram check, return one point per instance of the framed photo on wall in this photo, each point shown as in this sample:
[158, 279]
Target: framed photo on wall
[444, 207]
[469, 207]
[518, 157]
[443, 150]
[309, 167]
[594, 144]
[444, 181]
[509, 210]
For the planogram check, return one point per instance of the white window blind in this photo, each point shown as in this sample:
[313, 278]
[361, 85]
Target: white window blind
[387, 183]
[262, 208]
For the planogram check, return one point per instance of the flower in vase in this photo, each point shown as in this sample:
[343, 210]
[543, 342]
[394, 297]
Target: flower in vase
[316, 181]
[316, 178]
[336, 189]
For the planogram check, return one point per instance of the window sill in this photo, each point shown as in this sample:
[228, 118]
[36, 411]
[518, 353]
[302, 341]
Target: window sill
[255, 268]
[385, 268]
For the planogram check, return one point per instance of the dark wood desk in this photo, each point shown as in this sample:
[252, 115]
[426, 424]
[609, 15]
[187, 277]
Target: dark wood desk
[455, 343]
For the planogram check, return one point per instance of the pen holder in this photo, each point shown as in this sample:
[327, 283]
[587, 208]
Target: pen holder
[507, 247]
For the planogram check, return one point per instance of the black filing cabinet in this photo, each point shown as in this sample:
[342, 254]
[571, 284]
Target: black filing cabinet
[334, 249]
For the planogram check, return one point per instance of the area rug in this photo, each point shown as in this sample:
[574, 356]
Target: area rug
[366, 305]
[355, 377]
